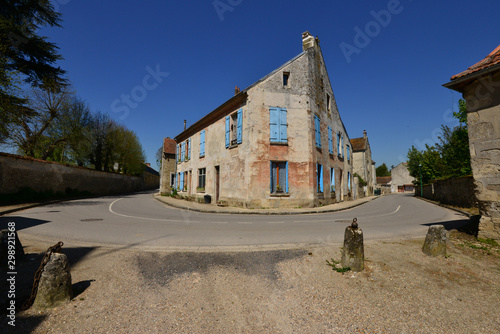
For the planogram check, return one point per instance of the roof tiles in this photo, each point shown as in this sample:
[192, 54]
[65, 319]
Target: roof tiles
[492, 59]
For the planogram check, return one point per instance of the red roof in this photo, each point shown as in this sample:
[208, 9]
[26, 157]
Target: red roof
[169, 146]
[358, 144]
[492, 59]
[383, 179]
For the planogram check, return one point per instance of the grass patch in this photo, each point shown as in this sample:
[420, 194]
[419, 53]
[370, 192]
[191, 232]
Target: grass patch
[335, 266]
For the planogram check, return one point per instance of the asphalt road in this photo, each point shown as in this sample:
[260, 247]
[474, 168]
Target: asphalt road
[140, 221]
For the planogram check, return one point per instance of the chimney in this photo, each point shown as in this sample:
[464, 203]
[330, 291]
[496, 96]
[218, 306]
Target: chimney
[364, 134]
[308, 41]
[184, 125]
[236, 90]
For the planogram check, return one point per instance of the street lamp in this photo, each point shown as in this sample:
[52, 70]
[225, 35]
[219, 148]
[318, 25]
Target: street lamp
[421, 187]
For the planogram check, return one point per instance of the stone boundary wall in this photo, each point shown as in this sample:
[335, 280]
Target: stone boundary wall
[17, 172]
[458, 191]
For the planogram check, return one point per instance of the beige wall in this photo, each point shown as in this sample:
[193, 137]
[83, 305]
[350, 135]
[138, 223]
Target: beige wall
[245, 169]
[18, 172]
[483, 119]
[400, 175]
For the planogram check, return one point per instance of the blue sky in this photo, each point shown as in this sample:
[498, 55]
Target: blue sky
[388, 84]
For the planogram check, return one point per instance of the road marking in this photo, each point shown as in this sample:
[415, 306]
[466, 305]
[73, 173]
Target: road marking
[144, 218]
[313, 221]
[397, 209]
[218, 222]
[245, 223]
[275, 222]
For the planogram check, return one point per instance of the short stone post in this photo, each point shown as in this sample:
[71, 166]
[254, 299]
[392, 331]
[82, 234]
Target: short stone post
[55, 283]
[353, 253]
[435, 241]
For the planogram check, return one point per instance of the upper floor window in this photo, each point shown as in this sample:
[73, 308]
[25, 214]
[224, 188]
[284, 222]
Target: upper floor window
[317, 131]
[328, 102]
[348, 153]
[278, 125]
[234, 127]
[202, 143]
[330, 140]
[286, 77]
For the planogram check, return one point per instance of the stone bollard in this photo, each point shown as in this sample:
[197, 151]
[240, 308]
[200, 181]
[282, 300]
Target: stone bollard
[55, 283]
[353, 253]
[435, 241]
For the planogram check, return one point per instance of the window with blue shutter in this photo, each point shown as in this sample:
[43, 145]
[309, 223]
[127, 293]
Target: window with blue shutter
[279, 177]
[317, 131]
[348, 153]
[319, 177]
[202, 143]
[228, 130]
[183, 151]
[332, 179]
[181, 186]
[342, 146]
[278, 125]
[330, 140]
[349, 181]
[339, 150]
[189, 149]
[177, 157]
[240, 126]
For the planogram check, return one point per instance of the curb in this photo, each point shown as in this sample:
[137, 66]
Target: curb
[256, 212]
[465, 213]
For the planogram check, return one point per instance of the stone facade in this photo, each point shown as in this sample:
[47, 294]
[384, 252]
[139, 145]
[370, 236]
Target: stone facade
[168, 166]
[401, 180]
[363, 165]
[275, 144]
[480, 87]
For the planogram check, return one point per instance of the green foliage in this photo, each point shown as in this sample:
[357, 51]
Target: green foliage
[461, 114]
[362, 182]
[25, 54]
[448, 158]
[158, 157]
[382, 170]
[334, 264]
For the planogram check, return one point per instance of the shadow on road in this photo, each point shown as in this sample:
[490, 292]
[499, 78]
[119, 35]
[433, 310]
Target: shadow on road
[21, 222]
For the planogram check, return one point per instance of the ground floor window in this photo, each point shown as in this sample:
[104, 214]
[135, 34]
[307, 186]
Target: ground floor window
[279, 177]
[319, 177]
[173, 181]
[201, 179]
[349, 181]
[332, 180]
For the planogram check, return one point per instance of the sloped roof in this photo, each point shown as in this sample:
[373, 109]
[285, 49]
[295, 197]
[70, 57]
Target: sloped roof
[490, 60]
[169, 146]
[384, 179]
[358, 144]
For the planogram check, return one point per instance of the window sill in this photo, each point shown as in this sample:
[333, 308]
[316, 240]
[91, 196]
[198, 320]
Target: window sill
[233, 146]
[321, 196]
[202, 156]
[277, 143]
[332, 156]
[319, 149]
[280, 195]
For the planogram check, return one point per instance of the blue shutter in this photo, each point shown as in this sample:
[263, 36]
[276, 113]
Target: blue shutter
[177, 154]
[273, 124]
[317, 131]
[349, 181]
[348, 152]
[283, 126]
[342, 146]
[286, 184]
[182, 182]
[330, 140]
[332, 179]
[189, 148]
[202, 143]
[240, 126]
[338, 144]
[320, 170]
[183, 151]
[227, 131]
[271, 177]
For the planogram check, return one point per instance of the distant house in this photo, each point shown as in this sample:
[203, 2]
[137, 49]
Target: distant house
[363, 165]
[480, 87]
[401, 180]
[384, 184]
[278, 143]
[168, 166]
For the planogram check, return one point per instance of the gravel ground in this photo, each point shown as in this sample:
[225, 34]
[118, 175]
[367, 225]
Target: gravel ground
[276, 291]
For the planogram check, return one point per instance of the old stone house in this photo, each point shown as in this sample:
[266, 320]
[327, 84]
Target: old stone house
[363, 165]
[278, 143]
[168, 166]
[480, 87]
[401, 180]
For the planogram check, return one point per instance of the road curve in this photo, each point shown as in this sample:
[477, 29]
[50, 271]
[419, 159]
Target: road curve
[140, 221]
